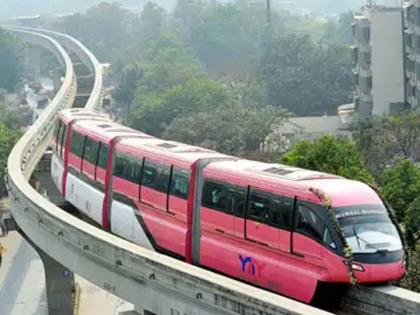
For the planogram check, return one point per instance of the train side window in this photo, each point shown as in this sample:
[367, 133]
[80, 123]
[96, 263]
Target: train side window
[128, 167]
[57, 130]
[162, 183]
[179, 183]
[149, 174]
[308, 223]
[327, 239]
[236, 200]
[214, 195]
[156, 176]
[91, 150]
[240, 201]
[259, 206]
[63, 138]
[103, 156]
[77, 143]
[281, 212]
[120, 163]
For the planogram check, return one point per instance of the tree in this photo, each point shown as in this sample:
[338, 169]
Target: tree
[304, 77]
[125, 90]
[412, 222]
[165, 63]
[153, 111]
[10, 60]
[227, 36]
[341, 31]
[151, 21]
[168, 62]
[7, 141]
[329, 154]
[231, 129]
[102, 28]
[386, 140]
[401, 186]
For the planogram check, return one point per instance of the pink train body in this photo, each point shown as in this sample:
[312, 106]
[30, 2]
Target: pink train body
[261, 223]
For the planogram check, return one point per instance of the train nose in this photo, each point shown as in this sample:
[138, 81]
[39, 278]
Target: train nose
[374, 273]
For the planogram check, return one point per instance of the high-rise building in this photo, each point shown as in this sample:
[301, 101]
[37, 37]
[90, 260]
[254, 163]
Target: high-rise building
[412, 52]
[379, 77]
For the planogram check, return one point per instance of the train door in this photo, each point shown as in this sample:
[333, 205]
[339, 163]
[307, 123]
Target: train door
[215, 212]
[100, 170]
[257, 218]
[178, 193]
[77, 144]
[307, 234]
[237, 201]
[90, 158]
[155, 184]
[280, 220]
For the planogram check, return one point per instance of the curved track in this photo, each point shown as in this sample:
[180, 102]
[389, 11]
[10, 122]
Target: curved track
[149, 280]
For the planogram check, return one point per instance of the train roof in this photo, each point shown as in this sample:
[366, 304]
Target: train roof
[278, 177]
[174, 150]
[80, 113]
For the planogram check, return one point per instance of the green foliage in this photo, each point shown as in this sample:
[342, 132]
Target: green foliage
[7, 141]
[412, 222]
[153, 111]
[151, 22]
[340, 32]
[10, 60]
[386, 140]
[226, 37]
[400, 188]
[304, 77]
[329, 154]
[102, 28]
[168, 62]
[412, 280]
[234, 43]
[231, 129]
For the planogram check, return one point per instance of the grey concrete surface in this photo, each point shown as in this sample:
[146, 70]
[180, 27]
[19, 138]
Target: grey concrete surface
[22, 283]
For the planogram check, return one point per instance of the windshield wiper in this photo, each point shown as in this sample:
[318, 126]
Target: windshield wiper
[357, 237]
[382, 252]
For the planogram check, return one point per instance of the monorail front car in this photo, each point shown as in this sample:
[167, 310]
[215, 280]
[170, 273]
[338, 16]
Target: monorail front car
[257, 222]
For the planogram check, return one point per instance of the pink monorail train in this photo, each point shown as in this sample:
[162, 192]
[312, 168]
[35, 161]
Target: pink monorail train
[261, 223]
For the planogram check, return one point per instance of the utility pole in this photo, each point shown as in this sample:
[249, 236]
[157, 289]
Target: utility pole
[268, 11]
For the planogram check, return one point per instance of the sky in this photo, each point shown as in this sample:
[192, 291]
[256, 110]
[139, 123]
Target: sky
[10, 8]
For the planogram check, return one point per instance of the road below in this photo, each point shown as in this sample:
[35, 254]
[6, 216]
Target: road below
[22, 285]
[22, 282]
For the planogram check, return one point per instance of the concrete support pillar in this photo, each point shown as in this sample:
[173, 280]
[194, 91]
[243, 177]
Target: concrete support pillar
[59, 284]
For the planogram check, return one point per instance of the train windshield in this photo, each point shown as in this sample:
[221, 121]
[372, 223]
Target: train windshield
[369, 230]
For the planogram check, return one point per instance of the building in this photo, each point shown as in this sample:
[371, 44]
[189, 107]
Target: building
[378, 60]
[412, 52]
[282, 138]
[384, 75]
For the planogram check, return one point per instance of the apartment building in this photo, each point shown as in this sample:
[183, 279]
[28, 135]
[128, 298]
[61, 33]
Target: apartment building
[378, 60]
[412, 52]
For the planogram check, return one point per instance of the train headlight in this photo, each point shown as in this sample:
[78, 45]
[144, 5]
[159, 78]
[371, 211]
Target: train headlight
[355, 266]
